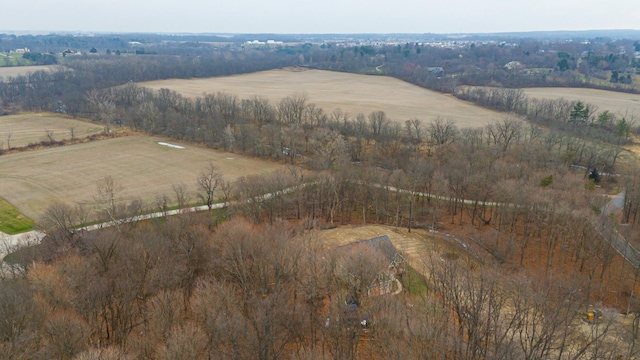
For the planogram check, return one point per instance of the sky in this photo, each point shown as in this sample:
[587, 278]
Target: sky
[320, 16]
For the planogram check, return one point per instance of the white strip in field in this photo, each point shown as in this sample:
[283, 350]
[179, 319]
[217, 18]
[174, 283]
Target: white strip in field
[170, 145]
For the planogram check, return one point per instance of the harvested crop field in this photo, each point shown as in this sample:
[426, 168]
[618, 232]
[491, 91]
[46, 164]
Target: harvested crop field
[31, 128]
[32, 180]
[9, 71]
[619, 103]
[329, 90]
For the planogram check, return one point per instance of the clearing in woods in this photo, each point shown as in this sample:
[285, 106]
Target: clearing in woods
[621, 104]
[417, 247]
[32, 180]
[330, 90]
[31, 128]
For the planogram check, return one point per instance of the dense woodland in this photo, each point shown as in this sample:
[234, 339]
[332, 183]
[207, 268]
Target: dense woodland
[256, 280]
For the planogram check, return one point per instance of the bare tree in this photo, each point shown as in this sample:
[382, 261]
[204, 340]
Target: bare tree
[508, 131]
[442, 131]
[208, 182]
[291, 110]
[184, 342]
[228, 138]
[48, 136]
[107, 192]
[104, 107]
[358, 268]
[162, 203]
[181, 193]
[329, 148]
[377, 120]
[67, 335]
[258, 110]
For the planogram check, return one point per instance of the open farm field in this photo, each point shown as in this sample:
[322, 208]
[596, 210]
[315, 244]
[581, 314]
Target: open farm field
[31, 128]
[619, 103]
[32, 180]
[8, 71]
[352, 93]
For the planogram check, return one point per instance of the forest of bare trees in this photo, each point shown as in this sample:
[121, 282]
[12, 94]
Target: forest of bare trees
[517, 200]
[263, 285]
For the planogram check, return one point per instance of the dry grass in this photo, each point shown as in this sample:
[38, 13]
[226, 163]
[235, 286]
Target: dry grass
[34, 179]
[10, 71]
[31, 128]
[417, 247]
[350, 92]
[622, 104]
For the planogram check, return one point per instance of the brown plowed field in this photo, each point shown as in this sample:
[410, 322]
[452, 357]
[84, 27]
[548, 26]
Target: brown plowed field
[329, 90]
[10, 71]
[619, 103]
[31, 128]
[32, 180]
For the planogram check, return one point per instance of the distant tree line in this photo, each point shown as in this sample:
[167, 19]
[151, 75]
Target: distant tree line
[66, 87]
[444, 68]
[575, 118]
[40, 59]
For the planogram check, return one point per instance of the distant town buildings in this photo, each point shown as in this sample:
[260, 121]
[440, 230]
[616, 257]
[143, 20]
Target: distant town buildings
[268, 42]
[21, 51]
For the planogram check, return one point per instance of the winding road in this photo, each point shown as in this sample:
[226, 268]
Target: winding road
[9, 243]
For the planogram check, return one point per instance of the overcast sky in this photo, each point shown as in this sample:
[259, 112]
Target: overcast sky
[319, 16]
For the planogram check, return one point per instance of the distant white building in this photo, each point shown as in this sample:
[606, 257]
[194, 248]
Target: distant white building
[22, 51]
[514, 65]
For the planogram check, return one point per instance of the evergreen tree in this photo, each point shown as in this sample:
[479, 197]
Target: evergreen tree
[595, 176]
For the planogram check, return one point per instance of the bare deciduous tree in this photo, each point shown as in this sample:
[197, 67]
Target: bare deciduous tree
[103, 106]
[208, 182]
[329, 148]
[377, 121]
[258, 110]
[107, 192]
[442, 131]
[292, 109]
[181, 193]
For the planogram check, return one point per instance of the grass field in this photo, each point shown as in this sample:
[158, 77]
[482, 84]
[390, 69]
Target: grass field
[350, 92]
[34, 179]
[11, 221]
[7, 71]
[620, 103]
[31, 128]
[13, 59]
